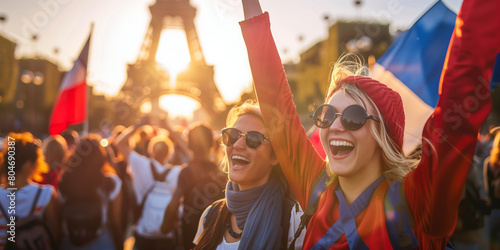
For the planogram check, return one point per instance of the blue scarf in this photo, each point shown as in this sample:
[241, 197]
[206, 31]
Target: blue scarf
[258, 213]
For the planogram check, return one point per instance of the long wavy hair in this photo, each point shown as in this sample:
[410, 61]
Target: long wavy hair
[212, 235]
[396, 165]
[85, 171]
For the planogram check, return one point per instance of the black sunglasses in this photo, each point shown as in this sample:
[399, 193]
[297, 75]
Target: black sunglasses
[253, 139]
[353, 117]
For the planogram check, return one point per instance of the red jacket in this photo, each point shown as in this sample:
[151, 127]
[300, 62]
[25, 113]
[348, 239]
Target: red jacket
[434, 189]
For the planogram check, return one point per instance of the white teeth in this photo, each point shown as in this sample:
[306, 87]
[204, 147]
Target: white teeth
[341, 143]
[237, 157]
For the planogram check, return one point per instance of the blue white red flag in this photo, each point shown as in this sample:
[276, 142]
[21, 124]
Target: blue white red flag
[412, 66]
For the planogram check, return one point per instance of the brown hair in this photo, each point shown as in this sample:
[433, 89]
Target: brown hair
[200, 139]
[86, 168]
[27, 149]
[212, 234]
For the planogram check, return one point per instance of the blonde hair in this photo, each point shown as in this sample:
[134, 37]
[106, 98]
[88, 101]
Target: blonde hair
[495, 151]
[395, 164]
[248, 107]
[55, 151]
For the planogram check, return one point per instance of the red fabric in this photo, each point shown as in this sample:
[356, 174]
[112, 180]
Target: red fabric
[51, 178]
[70, 108]
[433, 190]
[316, 142]
[388, 102]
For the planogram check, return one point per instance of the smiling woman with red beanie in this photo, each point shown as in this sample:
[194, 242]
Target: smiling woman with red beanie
[372, 196]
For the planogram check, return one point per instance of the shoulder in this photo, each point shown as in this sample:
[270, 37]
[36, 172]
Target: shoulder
[175, 170]
[135, 158]
[46, 191]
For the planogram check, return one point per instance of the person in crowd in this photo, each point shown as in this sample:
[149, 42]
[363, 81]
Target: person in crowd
[491, 172]
[119, 164]
[361, 130]
[143, 136]
[31, 199]
[200, 183]
[474, 206]
[258, 211]
[72, 138]
[181, 155]
[55, 151]
[90, 192]
[154, 182]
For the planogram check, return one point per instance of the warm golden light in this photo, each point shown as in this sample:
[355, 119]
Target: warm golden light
[146, 107]
[178, 106]
[173, 52]
[104, 143]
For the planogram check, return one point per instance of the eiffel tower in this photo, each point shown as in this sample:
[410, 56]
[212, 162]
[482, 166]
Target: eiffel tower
[148, 82]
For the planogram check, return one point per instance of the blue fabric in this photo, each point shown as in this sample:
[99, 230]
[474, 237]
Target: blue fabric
[397, 220]
[346, 223]
[262, 229]
[318, 190]
[240, 202]
[417, 57]
[495, 79]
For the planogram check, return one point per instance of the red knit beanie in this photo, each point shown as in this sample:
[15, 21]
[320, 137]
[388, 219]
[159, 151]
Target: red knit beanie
[388, 102]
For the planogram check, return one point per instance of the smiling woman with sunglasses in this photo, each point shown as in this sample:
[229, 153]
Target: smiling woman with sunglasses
[372, 196]
[258, 211]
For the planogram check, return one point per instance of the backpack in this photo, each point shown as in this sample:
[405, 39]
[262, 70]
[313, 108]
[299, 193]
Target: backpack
[139, 207]
[400, 230]
[31, 231]
[83, 220]
[154, 202]
[286, 212]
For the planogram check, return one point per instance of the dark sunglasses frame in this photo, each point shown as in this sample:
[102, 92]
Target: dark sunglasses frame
[253, 139]
[348, 125]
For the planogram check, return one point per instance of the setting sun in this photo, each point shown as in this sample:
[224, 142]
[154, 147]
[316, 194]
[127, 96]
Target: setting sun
[173, 52]
[178, 106]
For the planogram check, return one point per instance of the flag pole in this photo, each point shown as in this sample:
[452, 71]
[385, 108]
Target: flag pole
[86, 123]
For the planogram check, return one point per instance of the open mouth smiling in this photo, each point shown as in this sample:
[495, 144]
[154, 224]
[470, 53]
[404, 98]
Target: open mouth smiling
[340, 147]
[238, 160]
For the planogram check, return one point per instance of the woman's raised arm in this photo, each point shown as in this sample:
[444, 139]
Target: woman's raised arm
[434, 189]
[298, 158]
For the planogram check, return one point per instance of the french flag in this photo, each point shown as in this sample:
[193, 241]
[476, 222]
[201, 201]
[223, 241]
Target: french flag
[70, 106]
[412, 67]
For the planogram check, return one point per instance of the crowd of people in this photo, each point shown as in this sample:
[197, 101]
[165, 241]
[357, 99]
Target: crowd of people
[259, 183]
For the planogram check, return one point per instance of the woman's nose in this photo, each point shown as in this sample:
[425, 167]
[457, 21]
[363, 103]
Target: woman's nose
[337, 125]
[240, 143]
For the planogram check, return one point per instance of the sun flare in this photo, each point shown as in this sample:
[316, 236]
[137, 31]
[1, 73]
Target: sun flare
[173, 52]
[178, 106]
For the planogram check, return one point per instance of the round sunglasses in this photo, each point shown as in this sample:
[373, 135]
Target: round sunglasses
[253, 139]
[353, 117]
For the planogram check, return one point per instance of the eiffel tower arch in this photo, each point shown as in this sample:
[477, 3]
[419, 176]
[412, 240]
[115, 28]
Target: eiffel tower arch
[147, 81]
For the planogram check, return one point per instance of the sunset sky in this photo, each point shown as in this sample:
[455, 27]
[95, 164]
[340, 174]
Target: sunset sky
[120, 26]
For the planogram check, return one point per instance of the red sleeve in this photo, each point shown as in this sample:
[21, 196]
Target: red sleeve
[298, 158]
[435, 187]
